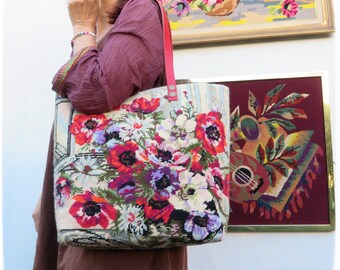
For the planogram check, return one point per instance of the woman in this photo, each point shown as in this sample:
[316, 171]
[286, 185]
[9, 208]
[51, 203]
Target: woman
[115, 54]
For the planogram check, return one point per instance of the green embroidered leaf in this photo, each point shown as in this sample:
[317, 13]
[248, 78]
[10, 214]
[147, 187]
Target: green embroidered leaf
[280, 167]
[144, 190]
[110, 195]
[272, 129]
[234, 118]
[157, 116]
[205, 7]
[290, 151]
[272, 97]
[270, 149]
[76, 190]
[291, 100]
[279, 144]
[283, 123]
[254, 105]
[271, 174]
[290, 113]
[291, 162]
[260, 154]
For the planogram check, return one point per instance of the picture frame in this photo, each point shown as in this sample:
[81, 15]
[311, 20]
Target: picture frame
[203, 21]
[281, 163]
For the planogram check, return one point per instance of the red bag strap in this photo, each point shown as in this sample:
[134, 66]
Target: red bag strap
[168, 56]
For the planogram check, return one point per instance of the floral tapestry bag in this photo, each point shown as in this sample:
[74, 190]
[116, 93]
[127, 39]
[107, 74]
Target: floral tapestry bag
[150, 174]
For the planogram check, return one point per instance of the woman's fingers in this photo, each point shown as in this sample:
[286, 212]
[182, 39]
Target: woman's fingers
[83, 11]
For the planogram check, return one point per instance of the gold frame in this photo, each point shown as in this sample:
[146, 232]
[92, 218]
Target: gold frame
[323, 24]
[329, 158]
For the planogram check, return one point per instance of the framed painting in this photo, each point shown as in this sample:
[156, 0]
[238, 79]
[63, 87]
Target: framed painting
[207, 21]
[281, 167]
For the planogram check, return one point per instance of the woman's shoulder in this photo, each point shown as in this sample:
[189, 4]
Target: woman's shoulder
[139, 10]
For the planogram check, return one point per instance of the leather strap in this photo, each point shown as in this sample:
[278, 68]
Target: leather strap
[168, 56]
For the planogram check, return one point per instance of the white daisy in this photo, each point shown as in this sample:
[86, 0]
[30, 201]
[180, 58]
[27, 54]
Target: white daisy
[193, 194]
[86, 171]
[131, 218]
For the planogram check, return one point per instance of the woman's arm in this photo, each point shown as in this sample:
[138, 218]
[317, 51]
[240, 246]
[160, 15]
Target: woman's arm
[130, 60]
[83, 16]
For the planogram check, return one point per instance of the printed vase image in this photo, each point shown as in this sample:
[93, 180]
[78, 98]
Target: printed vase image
[223, 8]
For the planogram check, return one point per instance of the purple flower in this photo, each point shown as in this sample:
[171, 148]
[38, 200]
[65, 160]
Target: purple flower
[109, 136]
[62, 191]
[125, 187]
[164, 181]
[181, 7]
[201, 224]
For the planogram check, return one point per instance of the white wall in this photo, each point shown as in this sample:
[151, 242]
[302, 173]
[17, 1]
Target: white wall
[36, 43]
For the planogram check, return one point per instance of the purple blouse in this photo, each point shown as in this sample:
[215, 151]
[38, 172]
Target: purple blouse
[129, 59]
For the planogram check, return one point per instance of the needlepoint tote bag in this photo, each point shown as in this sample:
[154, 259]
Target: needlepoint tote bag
[150, 174]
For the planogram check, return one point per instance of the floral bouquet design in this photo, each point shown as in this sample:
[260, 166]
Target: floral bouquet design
[182, 8]
[149, 174]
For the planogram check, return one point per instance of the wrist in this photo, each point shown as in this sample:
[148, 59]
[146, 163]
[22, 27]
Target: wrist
[83, 27]
[81, 35]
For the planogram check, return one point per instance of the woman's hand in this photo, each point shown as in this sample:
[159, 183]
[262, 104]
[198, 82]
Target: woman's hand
[84, 13]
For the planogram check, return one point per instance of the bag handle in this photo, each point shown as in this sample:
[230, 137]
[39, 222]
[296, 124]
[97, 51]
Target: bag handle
[168, 56]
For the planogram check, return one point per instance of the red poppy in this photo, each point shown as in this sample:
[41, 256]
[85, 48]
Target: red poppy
[90, 210]
[83, 126]
[142, 105]
[123, 157]
[211, 131]
[156, 208]
[196, 161]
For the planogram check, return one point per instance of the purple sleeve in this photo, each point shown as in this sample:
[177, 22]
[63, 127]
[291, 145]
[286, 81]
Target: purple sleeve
[130, 59]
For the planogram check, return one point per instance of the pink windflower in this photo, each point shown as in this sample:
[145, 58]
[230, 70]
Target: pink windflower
[289, 8]
[181, 7]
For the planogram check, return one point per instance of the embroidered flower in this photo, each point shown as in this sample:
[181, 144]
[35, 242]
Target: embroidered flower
[209, 3]
[110, 136]
[131, 220]
[214, 176]
[90, 210]
[289, 8]
[166, 155]
[123, 158]
[125, 187]
[136, 128]
[179, 133]
[200, 225]
[83, 126]
[62, 191]
[181, 7]
[86, 170]
[217, 182]
[197, 160]
[156, 208]
[142, 105]
[163, 181]
[194, 193]
[211, 131]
